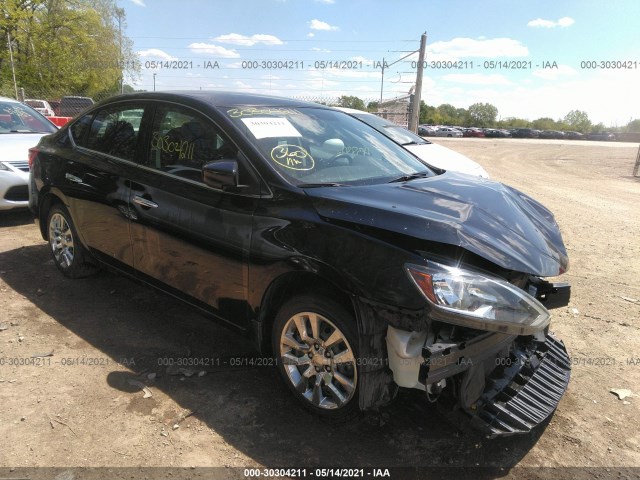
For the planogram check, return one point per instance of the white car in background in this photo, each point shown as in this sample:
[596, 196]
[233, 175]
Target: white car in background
[433, 154]
[40, 106]
[447, 132]
[21, 128]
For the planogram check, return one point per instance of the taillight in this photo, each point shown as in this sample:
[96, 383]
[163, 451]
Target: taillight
[33, 153]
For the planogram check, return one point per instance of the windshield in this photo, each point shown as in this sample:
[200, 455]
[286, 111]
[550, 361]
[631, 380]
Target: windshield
[316, 146]
[18, 118]
[395, 132]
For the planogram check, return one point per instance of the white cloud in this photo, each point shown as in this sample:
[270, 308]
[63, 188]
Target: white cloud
[155, 53]
[140, 3]
[210, 49]
[322, 50]
[320, 25]
[540, 22]
[468, 47]
[328, 2]
[237, 39]
[555, 73]
[477, 79]
[311, 34]
[362, 59]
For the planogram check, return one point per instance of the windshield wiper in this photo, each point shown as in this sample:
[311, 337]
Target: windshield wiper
[318, 185]
[413, 143]
[413, 176]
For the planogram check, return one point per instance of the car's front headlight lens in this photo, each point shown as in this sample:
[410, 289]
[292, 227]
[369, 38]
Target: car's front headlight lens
[478, 300]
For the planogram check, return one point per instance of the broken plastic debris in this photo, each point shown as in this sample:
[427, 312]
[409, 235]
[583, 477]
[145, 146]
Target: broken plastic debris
[143, 387]
[202, 373]
[622, 393]
[176, 426]
[3, 326]
[151, 376]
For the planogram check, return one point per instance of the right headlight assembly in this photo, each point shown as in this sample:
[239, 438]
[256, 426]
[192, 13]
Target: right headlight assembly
[477, 300]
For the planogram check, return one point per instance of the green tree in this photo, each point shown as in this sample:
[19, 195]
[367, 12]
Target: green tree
[545, 123]
[350, 101]
[513, 122]
[578, 120]
[64, 47]
[373, 106]
[633, 126]
[482, 115]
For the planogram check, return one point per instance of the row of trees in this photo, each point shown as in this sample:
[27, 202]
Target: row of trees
[486, 115]
[63, 47]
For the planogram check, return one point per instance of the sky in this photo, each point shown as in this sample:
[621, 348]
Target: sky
[530, 59]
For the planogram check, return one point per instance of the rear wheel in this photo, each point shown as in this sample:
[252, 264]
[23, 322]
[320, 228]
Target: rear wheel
[68, 254]
[315, 342]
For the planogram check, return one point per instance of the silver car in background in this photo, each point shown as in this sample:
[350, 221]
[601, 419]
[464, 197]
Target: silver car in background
[21, 128]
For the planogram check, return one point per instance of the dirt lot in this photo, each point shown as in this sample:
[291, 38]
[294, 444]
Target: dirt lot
[80, 408]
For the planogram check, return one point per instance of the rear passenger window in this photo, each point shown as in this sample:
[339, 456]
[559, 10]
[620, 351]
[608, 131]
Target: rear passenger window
[115, 130]
[182, 141]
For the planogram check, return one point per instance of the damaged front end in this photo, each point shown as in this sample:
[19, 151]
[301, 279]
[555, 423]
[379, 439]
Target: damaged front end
[484, 352]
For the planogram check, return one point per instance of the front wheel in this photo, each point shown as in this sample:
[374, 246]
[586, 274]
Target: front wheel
[68, 253]
[316, 346]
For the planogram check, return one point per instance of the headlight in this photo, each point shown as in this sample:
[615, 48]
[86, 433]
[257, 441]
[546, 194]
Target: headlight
[3, 167]
[478, 300]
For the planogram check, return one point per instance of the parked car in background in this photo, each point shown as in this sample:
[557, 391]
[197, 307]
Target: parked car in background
[496, 133]
[71, 106]
[554, 134]
[602, 136]
[472, 132]
[524, 133]
[21, 127]
[434, 154]
[448, 132]
[574, 135]
[41, 106]
[426, 130]
[353, 266]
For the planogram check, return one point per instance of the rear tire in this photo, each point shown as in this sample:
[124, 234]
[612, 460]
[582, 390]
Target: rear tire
[68, 253]
[315, 342]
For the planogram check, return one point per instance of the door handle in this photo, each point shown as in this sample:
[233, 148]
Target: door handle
[72, 178]
[143, 202]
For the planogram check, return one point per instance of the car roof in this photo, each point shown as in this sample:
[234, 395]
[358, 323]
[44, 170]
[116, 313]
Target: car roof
[220, 98]
[7, 99]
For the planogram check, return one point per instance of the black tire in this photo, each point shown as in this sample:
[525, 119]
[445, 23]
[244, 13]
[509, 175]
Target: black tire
[327, 382]
[68, 253]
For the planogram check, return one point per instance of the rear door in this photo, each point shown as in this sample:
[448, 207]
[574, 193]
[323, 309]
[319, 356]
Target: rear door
[97, 179]
[190, 239]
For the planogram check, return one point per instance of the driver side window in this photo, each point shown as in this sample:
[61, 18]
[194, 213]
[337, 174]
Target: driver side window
[182, 141]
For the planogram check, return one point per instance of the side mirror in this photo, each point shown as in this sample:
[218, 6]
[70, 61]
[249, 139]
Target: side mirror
[221, 174]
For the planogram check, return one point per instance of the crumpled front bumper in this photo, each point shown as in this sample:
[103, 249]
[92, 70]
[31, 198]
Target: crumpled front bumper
[525, 393]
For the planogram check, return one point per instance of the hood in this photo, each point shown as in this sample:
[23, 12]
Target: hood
[15, 146]
[446, 159]
[492, 220]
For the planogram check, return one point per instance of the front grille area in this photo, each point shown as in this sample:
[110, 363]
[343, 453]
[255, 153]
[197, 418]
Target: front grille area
[18, 193]
[530, 397]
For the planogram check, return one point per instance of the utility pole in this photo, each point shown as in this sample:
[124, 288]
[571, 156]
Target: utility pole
[382, 81]
[120, 15]
[415, 110]
[13, 68]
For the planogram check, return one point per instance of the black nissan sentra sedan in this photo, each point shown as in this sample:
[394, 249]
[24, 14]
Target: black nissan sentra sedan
[353, 265]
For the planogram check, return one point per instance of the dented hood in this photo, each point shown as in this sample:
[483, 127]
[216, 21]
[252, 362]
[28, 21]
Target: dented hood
[490, 219]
